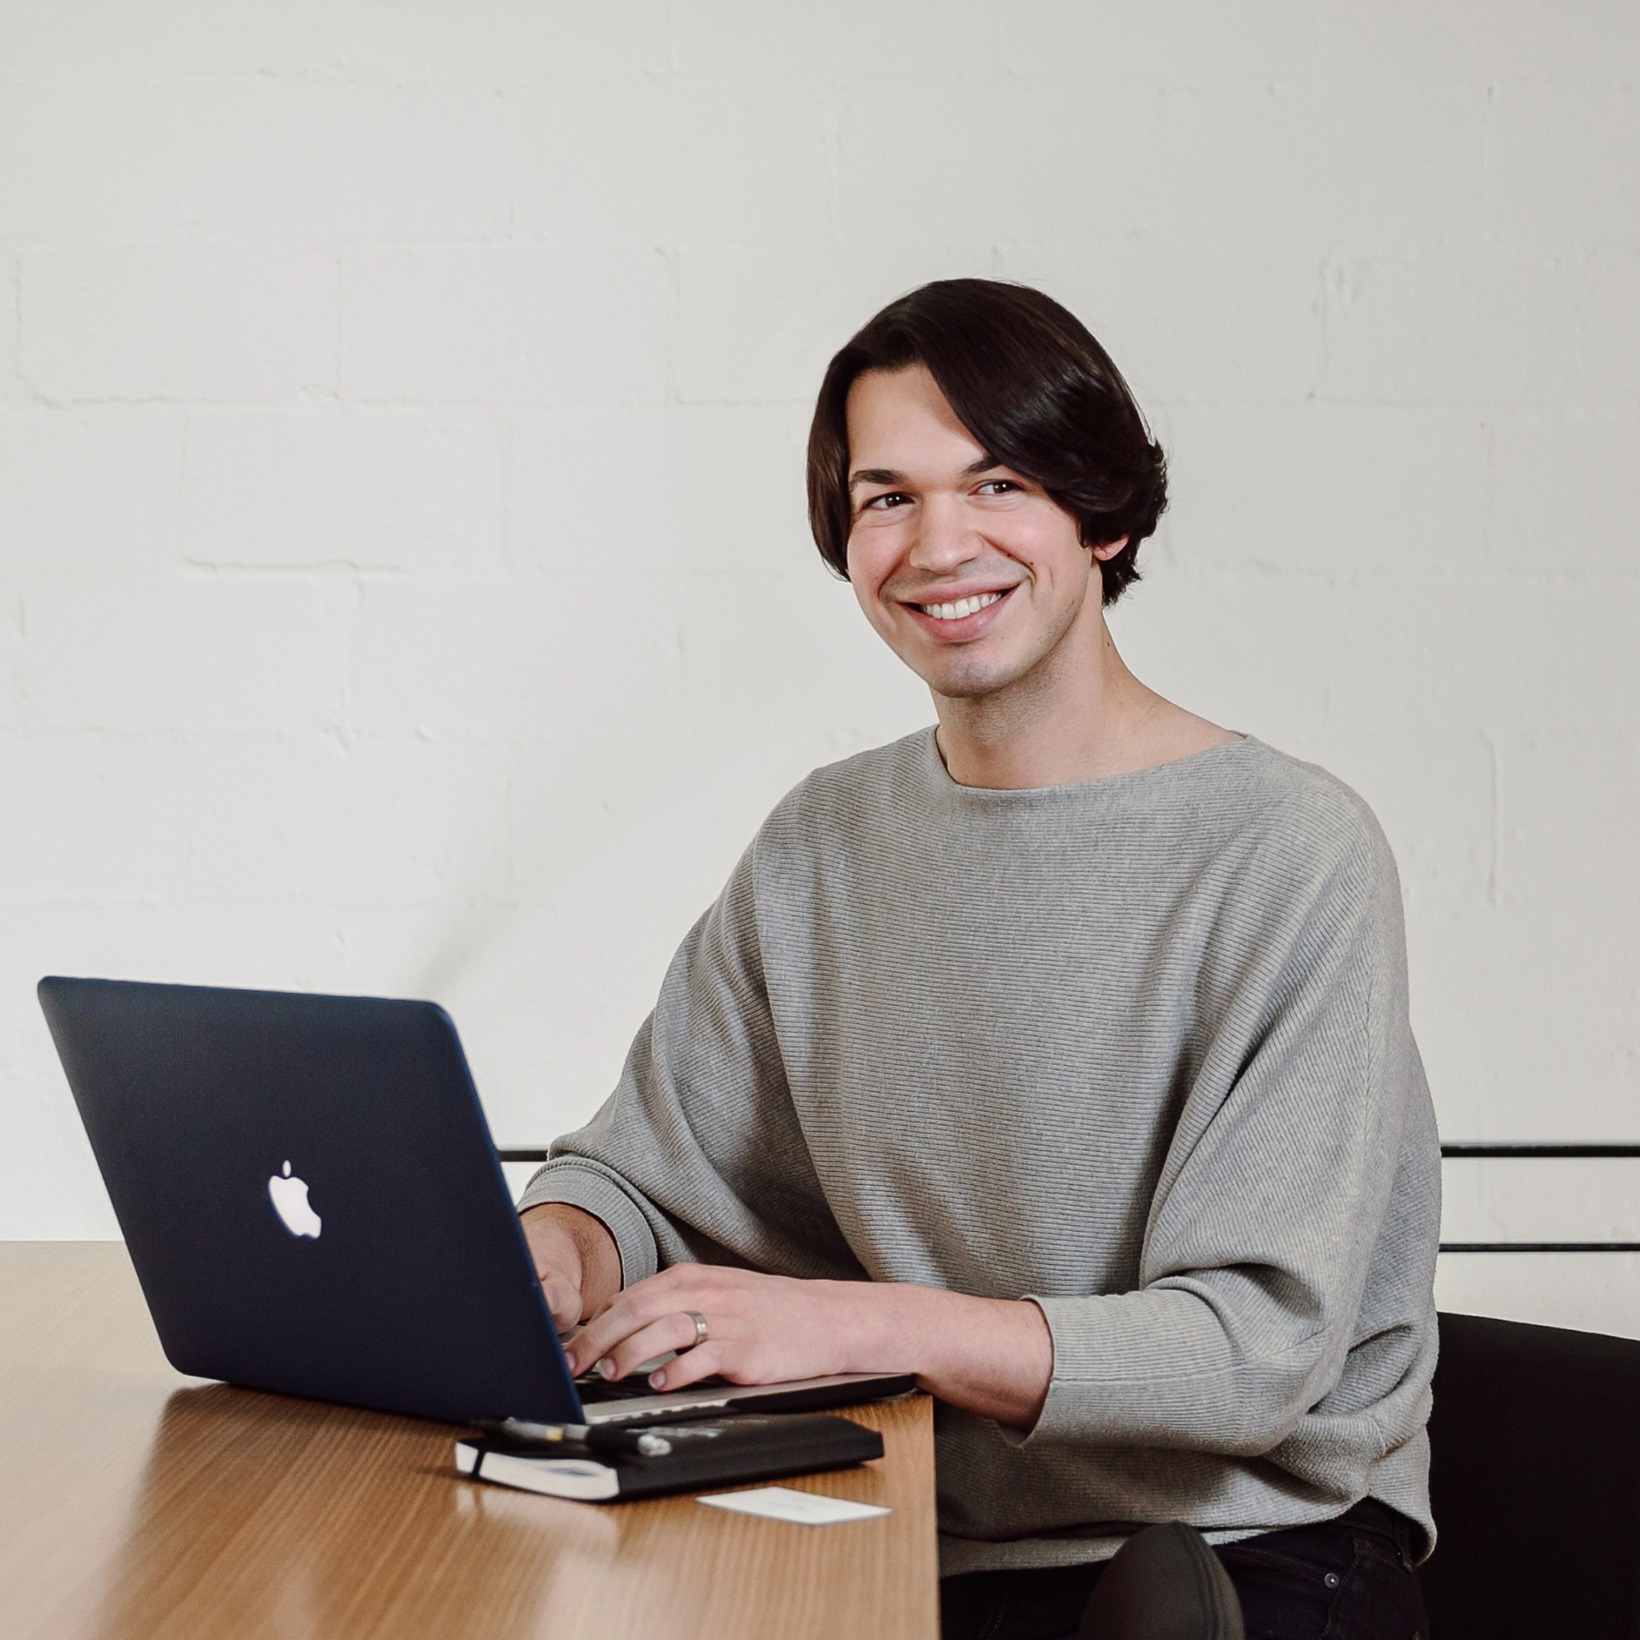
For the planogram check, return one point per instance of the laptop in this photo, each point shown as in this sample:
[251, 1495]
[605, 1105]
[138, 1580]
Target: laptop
[310, 1197]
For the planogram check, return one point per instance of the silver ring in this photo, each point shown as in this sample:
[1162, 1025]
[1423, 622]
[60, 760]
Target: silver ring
[700, 1329]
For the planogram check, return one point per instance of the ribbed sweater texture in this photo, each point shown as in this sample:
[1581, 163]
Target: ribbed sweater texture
[1136, 1049]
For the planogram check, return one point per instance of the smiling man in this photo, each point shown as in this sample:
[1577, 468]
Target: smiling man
[1058, 1055]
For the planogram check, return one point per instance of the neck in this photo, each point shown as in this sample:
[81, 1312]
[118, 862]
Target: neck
[1055, 725]
[1079, 716]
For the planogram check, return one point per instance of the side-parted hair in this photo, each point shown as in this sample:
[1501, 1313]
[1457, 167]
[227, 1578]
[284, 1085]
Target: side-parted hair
[1034, 388]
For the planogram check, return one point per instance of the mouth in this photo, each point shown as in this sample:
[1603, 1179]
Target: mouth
[962, 608]
[956, 620]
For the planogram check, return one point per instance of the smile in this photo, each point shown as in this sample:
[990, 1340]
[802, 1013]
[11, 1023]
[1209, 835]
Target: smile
[961, 608]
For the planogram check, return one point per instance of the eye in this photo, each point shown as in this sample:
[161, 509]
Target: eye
[882, 503]
[998, 486]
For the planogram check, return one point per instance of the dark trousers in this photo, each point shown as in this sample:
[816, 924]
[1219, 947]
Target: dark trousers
[1345, 1579]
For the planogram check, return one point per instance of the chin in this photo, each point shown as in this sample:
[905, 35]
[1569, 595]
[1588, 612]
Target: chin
[964, 688]
[972, 682]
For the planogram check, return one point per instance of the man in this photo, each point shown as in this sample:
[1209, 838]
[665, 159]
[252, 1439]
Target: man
[1059, 1055]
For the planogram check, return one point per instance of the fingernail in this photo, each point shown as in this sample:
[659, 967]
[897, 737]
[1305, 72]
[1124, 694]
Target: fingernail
[657, 1380]
[606, 1368]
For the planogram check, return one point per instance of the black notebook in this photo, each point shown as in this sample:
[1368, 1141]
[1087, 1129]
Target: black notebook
[703, 1454]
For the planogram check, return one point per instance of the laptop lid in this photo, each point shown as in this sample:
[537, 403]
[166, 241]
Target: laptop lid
[310, 1196]
[313, 1205]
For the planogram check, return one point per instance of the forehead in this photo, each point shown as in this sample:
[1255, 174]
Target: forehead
[900, 418]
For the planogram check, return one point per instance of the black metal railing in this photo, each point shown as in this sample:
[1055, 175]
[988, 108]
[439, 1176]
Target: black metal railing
[1478, 1152]
[1452, 1152]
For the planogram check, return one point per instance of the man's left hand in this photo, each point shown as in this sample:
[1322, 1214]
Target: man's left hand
[760, 1329]
[992, 1356]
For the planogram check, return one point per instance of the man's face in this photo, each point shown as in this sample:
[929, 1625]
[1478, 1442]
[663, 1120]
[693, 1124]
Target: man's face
[972, 575]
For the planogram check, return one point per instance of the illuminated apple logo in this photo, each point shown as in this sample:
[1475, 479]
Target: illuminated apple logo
[290, 1202]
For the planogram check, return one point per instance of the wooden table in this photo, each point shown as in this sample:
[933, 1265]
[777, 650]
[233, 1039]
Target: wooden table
[135, 1503]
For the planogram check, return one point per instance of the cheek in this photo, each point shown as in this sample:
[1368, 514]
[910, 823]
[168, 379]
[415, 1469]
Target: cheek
[868, 573]
[1067, 564]
[865, 595]
[868, 564]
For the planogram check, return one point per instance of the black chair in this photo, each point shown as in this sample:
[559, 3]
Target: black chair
[1164, 1583]
[1535, 1484]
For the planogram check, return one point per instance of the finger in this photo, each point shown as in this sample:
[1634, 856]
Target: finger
[625, 1314]
[707, 1288]
[660, 1338]
[603, 1332]
[691, 1365]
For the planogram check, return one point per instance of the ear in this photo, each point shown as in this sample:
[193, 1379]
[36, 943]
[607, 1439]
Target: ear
[1106, 550]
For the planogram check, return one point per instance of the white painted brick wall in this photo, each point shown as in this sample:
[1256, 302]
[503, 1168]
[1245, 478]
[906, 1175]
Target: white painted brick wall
[624, 163]
[339, 160]
[342, 825]
[403, 577]
[390, 489]
[93, 818]
[848, 40]
[1383, 486]
[182, 653]
[822, 290]
[1493, 326]
[667, 490]
[11, 648]
[12, 389]
[1550, 504]
[504, 323]
[183, 320]
[91, 488]
[1236, 323]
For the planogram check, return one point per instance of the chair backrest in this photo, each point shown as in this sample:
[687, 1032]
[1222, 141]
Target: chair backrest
[1535, 1483]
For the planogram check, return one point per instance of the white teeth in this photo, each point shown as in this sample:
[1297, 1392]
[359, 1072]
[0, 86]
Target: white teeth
[963, 606]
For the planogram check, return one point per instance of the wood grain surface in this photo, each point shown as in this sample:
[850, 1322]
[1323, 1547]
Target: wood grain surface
[135, 1503]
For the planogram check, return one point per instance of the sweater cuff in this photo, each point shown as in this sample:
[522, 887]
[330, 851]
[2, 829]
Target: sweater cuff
[582, 1184]
[1108, 1359]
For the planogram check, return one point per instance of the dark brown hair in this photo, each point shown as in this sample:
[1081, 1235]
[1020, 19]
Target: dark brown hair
[1035, 389]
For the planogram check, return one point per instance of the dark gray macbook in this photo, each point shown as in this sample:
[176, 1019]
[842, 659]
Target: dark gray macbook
[313, 1205]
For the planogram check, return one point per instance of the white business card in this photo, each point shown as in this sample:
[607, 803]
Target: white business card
[802, 1508]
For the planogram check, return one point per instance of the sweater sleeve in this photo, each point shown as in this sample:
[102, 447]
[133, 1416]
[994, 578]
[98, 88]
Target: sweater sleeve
[1274, 1188]
[698, 1154]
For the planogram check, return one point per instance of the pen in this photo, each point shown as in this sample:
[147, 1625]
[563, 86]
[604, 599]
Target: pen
[595, 1437]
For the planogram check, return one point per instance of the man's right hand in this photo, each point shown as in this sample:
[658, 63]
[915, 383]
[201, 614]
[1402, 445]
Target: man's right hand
[576, 1259]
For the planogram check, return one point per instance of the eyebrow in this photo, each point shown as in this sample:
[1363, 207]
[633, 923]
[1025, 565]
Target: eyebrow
[887, 475]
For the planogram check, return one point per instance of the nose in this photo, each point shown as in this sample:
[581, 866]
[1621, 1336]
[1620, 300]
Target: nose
[944, 538]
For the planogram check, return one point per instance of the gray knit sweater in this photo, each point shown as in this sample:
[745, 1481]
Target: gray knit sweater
[1135, 1048]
